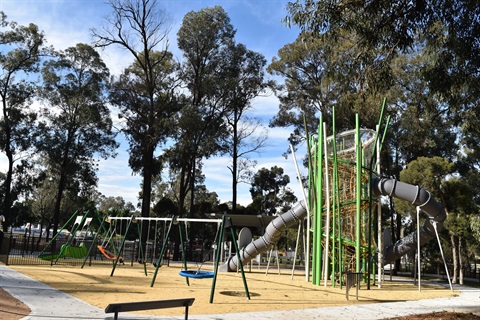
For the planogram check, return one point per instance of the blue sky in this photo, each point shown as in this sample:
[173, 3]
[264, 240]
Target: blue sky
[258, 24]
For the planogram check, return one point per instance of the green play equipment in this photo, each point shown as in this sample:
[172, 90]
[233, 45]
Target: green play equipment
[116, 256]
[77, 252]
[158, 264]
[338, 209]
[344, 230]
[70, 249]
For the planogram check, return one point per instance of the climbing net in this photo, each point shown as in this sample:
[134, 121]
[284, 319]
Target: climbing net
[345, 193]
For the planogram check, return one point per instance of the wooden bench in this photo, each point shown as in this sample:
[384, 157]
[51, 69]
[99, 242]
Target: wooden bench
[147, 305]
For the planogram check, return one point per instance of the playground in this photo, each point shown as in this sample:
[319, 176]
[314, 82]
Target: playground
[271, 292]
[341, 244]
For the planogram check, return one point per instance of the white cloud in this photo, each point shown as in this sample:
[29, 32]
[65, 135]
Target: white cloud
[265, 106]
[66, 23]
[218, 176]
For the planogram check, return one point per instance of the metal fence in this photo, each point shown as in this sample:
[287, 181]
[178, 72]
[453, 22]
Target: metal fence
[25, 249]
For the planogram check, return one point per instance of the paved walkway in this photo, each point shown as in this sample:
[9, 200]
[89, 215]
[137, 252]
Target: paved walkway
[49, 303]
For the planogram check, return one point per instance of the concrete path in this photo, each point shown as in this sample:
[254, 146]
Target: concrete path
[49, 303]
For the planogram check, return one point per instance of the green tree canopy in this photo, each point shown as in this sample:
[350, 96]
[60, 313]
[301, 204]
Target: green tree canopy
[76, 124]
[20, 50]
[269, 191]
[204, 38]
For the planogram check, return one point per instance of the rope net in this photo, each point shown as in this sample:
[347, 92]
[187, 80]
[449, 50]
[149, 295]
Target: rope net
[345, 206]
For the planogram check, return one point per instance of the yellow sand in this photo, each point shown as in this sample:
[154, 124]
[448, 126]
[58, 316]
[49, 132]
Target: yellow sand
[268, 292]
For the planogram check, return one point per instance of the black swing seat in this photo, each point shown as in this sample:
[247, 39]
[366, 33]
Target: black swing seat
[196, 274]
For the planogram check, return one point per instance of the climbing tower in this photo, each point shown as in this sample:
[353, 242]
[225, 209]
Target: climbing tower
[342, 210]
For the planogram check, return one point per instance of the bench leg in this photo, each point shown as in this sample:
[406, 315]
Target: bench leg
[186, 312]
[115, 317]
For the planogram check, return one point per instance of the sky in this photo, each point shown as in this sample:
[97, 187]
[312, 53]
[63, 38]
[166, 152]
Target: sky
[258, 25]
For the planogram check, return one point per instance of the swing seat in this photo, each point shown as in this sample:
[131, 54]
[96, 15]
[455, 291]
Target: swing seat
[77, 252]
[107, 254]
[196, 274]
[48, 256]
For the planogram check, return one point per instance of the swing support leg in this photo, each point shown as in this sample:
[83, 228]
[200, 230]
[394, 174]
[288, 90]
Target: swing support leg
[164, 246]
[142, 254]
[184, 255]
[121, 247]
[227, 223]
[240, 264]
[217, 258]
[94, 240]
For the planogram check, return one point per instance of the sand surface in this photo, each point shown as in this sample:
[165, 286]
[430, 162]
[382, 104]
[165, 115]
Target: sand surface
[268, 292]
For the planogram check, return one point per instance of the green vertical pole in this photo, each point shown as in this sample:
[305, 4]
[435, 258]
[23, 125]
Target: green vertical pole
[317, 253]
[327, 206]
[366, 221]
[162, 252]
[311, 200]
[142, 254]
[182, 244]
[240, 264]
[217, 259]
[337, 210]
[121, 247]
[93, 242]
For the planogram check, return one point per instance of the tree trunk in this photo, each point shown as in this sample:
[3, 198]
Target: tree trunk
[455, 261]
[146, 195]
[460, 261]
[234, 161]
[192, 188]
[7, 197]
[397, 237]
[58, 203]
[184, 184]
[7, 201]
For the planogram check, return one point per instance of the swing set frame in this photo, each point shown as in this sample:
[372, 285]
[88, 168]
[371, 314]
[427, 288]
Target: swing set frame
[68, 249]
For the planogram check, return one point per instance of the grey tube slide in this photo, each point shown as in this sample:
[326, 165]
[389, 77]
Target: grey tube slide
[272, 233]
[380, 186]
[418, 197]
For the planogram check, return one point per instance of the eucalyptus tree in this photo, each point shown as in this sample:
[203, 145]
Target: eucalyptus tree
[43, 203]
[145, 92]
[269, 191]
[462, 209]
[245, 81]
[76, 125]
[420, 125]
[422, 56]
[323, 73]
[447, 33]
[204, 38]
[20, 50]
[434, 174]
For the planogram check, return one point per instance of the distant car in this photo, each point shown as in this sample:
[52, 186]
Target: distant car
[62, 234]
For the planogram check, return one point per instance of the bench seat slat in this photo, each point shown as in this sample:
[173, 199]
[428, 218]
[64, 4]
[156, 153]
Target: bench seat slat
[146, 305]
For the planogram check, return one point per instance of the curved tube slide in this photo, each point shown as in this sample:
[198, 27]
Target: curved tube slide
[272, 233]
[380, 186]
[418, 197]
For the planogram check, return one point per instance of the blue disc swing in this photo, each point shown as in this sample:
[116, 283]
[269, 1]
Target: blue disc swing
[196, 274]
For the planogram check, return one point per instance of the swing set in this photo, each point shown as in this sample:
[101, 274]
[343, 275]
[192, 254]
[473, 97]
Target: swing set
[82, 228]
[107, 241]
[70, 249]
[196, 274]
